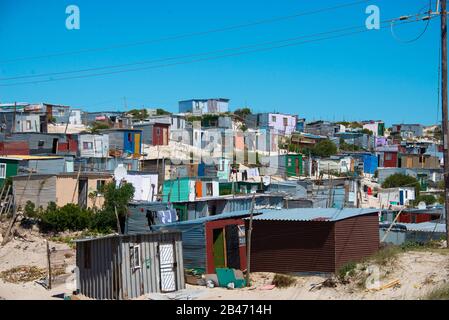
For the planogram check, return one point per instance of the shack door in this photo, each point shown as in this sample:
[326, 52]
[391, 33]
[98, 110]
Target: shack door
[137, 143]
[82, 193]
[165, 136]
[219, 248]
[167, 266]
[401, 197]
[232, 247]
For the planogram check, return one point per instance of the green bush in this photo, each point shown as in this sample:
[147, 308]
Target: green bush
[347, 270]
[103, 221]
[69, 217]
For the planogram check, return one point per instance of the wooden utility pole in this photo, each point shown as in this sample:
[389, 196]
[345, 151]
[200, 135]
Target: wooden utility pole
[445, 126]
[248, 245]
[48, 264]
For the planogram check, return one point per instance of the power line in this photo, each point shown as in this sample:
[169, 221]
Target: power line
[201, 59]
[193, 34]
[184, 56]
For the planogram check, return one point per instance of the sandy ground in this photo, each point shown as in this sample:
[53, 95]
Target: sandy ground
[30, 251]
[418, 273]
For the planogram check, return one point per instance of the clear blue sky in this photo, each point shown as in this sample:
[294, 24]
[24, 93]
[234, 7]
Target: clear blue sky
[364, 76]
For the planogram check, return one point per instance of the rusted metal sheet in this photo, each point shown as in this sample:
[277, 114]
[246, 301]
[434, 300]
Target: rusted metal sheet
[292, 246]
[14, 148]
[356, 238]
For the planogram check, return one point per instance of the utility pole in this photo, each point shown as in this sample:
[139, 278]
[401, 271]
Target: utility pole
[248, 245]
[444, 106]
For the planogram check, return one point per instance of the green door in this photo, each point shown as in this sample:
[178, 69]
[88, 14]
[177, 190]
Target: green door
[218, 249]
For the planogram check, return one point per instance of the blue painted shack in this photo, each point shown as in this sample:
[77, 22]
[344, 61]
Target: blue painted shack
[128, 141]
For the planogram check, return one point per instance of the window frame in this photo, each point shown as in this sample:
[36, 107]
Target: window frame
[134, 256]
[3, 171]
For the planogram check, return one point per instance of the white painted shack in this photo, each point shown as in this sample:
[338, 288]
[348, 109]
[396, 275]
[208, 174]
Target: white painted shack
[120, 267]
[93, 145]
[145, 185]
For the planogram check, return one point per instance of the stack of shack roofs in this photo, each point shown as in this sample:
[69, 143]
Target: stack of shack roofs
[212, 242]
[128, 266]
[312, 240]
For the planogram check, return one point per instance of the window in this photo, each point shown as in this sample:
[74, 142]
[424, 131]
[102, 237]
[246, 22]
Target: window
[134, 255]
[209, 189]
[130, 138]
[41, 143]
[289, 162]
[88, 145]
[28, 125]
[158, 131]
[388, 156]
[100, 184]
[273, 118]
[2, 170]
[285, 122]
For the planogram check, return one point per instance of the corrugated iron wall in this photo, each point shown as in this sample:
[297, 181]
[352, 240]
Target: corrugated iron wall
[292, 246]
[356, 238]
[193, 243]
[105, 271]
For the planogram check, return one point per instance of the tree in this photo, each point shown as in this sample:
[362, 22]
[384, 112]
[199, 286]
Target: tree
[428, 199]
[243, 112]
[325, 148]
[162, 112]
[401, 180]
[137, 114]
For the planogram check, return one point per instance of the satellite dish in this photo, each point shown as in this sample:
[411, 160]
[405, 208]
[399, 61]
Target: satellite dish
[120, 173]
[422, 205]
[266, 180]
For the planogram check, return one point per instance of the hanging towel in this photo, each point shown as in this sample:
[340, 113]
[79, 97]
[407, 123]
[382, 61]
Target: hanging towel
[174, 215]
[161, 217]
[168, 217]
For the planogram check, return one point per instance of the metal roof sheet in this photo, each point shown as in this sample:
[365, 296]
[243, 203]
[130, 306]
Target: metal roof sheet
[426, 226]
[312, 214]
[226, 215]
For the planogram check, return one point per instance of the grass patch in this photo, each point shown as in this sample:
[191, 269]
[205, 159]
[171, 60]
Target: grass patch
[441, 293]
[283, 281]
[346, 270]
[23, 274]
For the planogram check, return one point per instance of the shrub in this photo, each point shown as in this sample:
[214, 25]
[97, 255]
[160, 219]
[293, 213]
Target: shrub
[103, 221]
[346, 270]
[69, 217]
[30, 210]
[283, 281]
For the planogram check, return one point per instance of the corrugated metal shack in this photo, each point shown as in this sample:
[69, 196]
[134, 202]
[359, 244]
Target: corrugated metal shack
[213, 242]
[413, 232]
[128, 266]
[312, 240]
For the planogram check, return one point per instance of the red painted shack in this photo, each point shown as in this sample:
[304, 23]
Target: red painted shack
[9, 148]
[69, 146]
[313, 239]
[420, 215]
[161, 134]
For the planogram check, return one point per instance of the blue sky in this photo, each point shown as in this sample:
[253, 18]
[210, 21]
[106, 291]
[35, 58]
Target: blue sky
[370, 75]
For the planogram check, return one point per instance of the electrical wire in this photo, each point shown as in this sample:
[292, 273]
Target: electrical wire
[193, 61]
[193, 34]
[392, 25]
